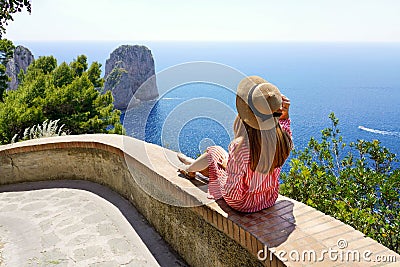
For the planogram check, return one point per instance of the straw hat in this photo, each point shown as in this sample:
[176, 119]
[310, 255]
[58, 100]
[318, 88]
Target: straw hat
[257, 102]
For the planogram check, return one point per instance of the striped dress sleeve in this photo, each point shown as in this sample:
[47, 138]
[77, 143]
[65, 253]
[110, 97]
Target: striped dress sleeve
[285, 125]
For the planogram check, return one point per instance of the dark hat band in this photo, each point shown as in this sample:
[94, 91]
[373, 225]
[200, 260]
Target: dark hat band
[256, 112]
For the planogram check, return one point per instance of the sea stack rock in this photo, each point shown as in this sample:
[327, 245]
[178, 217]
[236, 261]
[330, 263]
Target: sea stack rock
[128, 67]
[21, 59]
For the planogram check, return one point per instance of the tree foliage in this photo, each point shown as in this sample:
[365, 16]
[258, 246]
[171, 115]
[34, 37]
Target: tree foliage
[94, 73]
[51, 92]
[45, 64]
[79, 65]
[6, 50]
[10, 7]
[6, 53]
[354, 183]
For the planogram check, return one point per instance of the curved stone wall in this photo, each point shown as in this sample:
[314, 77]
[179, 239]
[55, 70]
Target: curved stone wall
[204, 233]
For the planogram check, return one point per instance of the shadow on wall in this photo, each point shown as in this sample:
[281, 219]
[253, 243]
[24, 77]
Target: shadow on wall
[160, 250]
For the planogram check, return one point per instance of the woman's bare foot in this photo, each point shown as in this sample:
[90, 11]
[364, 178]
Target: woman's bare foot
[185, 159]
[188, 175]
[205, 172]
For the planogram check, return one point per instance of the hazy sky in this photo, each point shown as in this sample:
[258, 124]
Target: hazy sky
[219, 20]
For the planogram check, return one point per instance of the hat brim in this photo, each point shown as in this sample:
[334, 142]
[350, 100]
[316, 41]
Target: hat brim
[244, 110]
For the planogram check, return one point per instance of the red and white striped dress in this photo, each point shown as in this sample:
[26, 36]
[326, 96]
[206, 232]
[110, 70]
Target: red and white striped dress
[233, 183]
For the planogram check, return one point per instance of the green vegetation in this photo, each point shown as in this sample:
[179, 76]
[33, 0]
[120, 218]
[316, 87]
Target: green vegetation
[115, 76]
[6, 53]
[47, 129]
[10, 7]
[66, 93]
[354, 183]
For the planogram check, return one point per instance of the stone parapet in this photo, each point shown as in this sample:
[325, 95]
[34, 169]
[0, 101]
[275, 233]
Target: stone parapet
[203, 232]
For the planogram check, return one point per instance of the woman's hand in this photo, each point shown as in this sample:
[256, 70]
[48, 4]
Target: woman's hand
[285, 108]
[223, 164]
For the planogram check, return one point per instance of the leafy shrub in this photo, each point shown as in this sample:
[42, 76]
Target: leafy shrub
[64, 92]
[354, 183]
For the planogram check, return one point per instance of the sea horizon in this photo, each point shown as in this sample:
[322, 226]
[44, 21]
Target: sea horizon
[358, 81]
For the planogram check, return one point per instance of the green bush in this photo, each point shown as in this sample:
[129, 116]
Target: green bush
[354, 183]
[66, 93]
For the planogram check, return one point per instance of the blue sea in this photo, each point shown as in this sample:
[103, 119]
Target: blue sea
[359, 82]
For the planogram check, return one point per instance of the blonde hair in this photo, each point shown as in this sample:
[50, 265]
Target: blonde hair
[269, 149]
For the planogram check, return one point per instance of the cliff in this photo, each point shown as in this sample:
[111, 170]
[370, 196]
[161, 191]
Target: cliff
[126, 70]
[21, 59]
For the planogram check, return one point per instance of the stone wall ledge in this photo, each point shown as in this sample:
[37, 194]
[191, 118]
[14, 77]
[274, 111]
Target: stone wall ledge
[203, 232]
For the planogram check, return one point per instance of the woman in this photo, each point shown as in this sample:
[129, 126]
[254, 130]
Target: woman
[247, 176]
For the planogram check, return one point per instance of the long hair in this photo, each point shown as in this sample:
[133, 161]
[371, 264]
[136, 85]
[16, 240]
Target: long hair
[269, 149]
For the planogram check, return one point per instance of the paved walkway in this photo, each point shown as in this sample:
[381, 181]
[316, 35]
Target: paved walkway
[59, 223]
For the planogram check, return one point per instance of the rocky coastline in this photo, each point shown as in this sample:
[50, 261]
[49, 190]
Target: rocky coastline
[129, 73]
[21, 59]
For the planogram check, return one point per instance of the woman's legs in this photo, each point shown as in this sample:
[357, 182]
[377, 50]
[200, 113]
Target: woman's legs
[198, 165]
[215, 155]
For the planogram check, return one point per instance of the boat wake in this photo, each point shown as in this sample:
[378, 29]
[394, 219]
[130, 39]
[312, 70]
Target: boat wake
[379, 131]
[171, 98]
